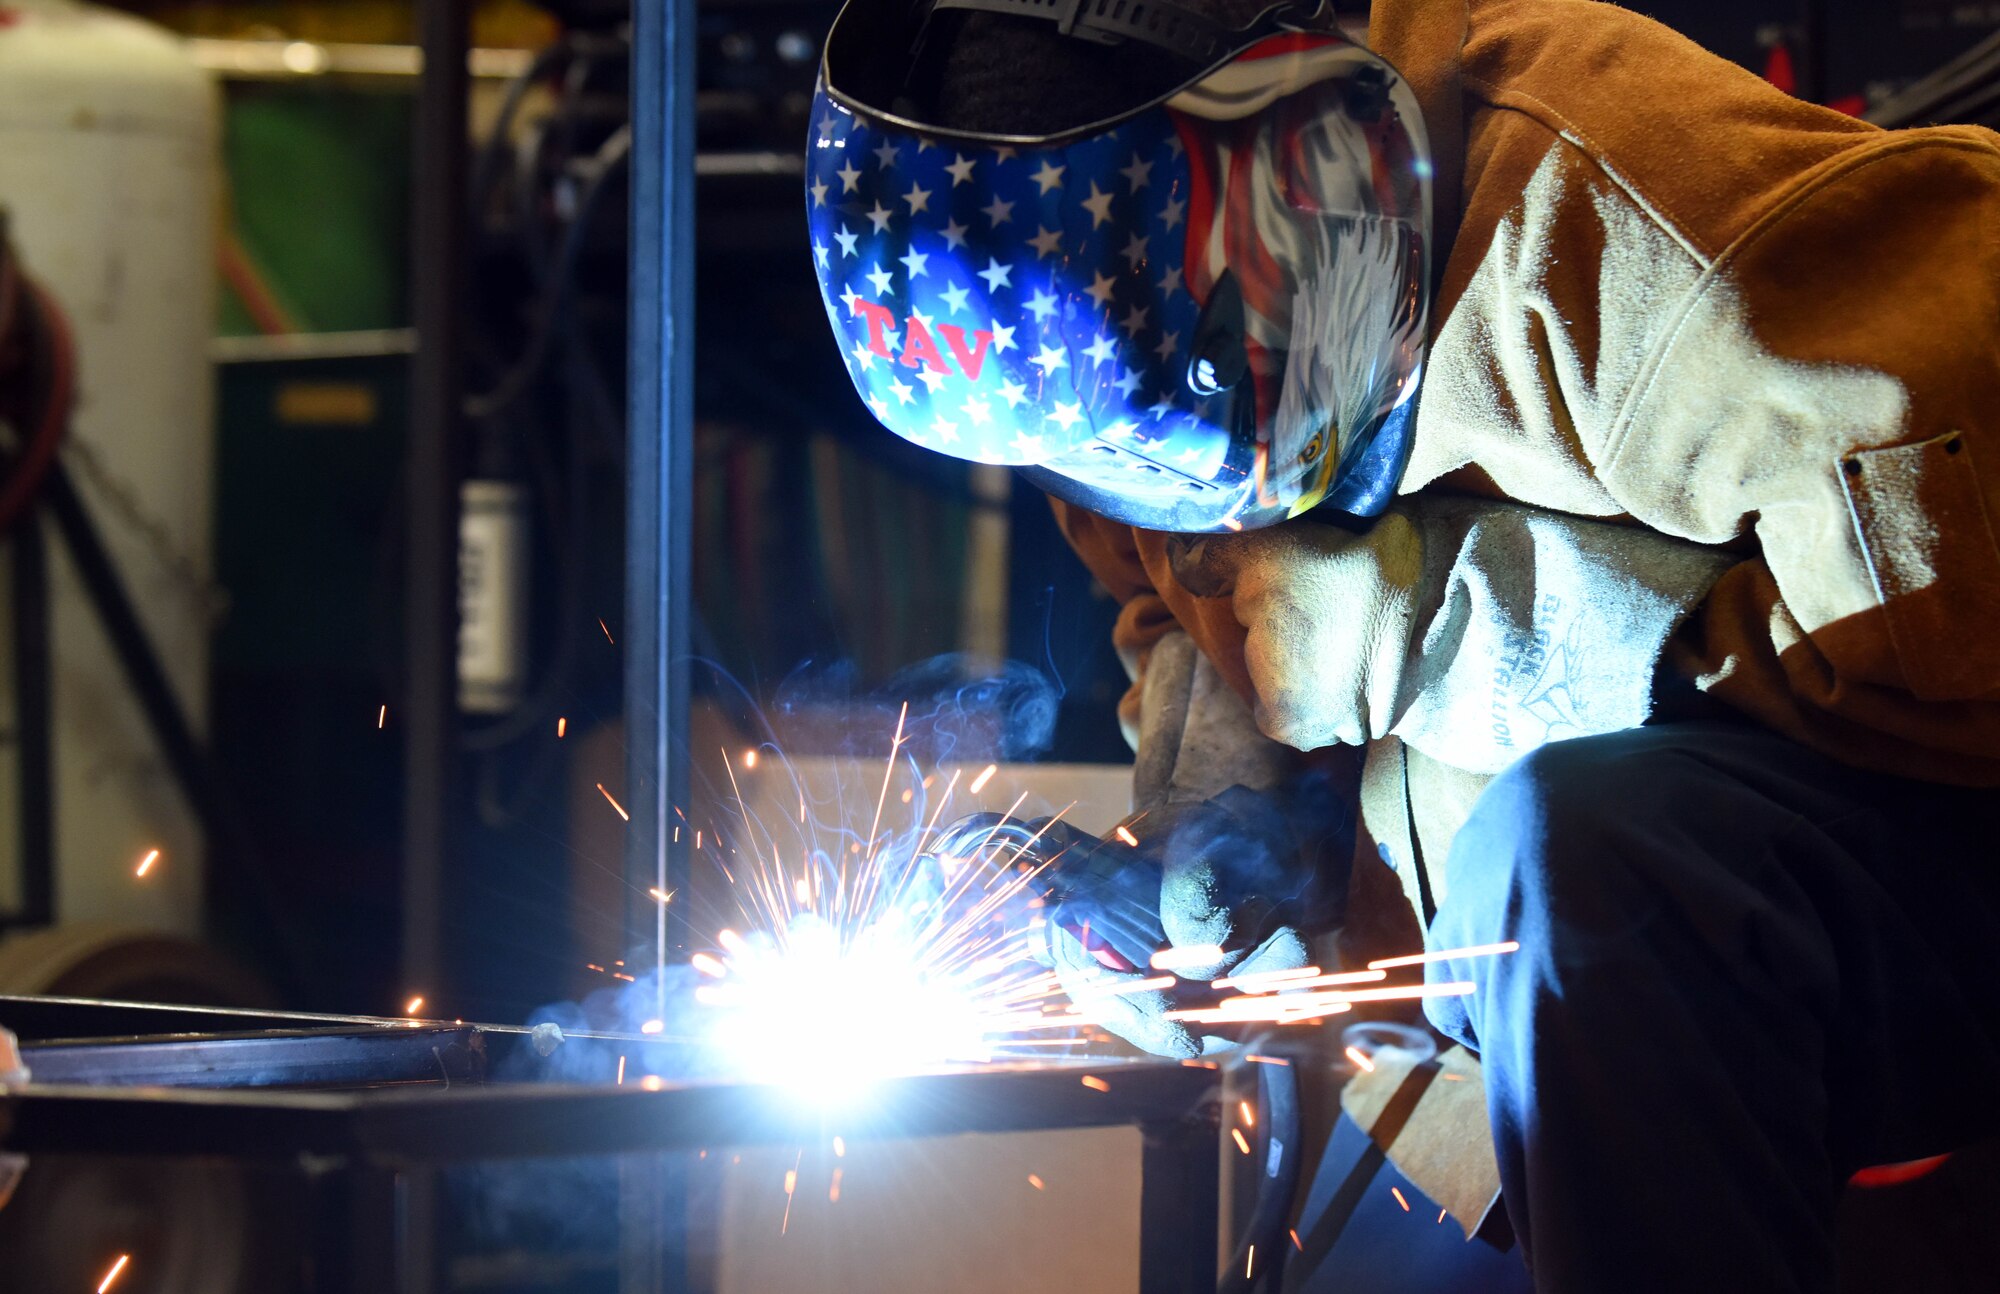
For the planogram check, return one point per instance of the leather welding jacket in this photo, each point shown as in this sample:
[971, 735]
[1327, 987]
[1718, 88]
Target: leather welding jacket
[1677, 301]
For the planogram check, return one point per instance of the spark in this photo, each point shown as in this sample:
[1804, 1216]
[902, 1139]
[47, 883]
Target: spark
[1266, 1060]
[1397, 1191]
[607, 631]
[1321, 981]
[146, 863]
[382, 716]
[1180, 958]
[652, 1082]
[750, 759]
[413, 1006]
[1295, 1242]
[1095, 1084]
[840, 1147]
[1440, 1217]
[652, 1026]
[1250, 1263]
[1360, 1059]
[881, 927]
[985, 776]
[1237, 1135]
[833, 1190]
[614, 802]
[562, 726]
[1448, 954]
[791, 1184]
[1035, 1181]
[1249, 1115]
[1124, 833]
[660, 895]
[1128, 988]
[112, 1275]
[1458, 988]
[1256, 983]
[621, 1071]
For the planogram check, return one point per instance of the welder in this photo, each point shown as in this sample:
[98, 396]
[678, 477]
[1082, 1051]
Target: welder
[1597, 438]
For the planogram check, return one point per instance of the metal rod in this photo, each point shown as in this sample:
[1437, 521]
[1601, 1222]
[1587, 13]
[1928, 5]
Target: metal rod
[436, 457]
[659, 534]
[232, 849]
[1178, 1204]
[33, 725]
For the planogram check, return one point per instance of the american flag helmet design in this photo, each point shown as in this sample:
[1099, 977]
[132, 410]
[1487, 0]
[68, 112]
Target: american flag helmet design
[1207, 314]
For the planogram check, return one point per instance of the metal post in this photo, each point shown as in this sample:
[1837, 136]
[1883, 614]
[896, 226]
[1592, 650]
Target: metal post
[436, 458]
[1178, 1202]
[354, 1234]
[233, 852]
[659, 533]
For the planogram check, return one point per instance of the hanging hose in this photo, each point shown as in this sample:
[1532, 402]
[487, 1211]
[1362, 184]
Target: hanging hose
[1266, 1234]
[50, 364]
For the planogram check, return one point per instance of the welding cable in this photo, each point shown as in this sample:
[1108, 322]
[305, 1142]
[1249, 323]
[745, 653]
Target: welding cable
[606, 165]
[58, 354]
[10, 285]
[545, 61]
[1281, 1125]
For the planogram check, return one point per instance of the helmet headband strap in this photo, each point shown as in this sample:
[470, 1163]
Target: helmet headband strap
[1163, 24]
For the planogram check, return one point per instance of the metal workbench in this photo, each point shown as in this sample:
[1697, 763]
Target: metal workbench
[365, 1109]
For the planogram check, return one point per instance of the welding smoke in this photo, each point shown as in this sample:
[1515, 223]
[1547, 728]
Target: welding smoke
[962, 709]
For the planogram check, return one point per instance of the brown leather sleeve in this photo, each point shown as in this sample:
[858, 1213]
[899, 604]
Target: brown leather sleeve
[1893, 267]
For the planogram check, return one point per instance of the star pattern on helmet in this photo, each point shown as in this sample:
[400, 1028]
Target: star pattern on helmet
[1002, 303]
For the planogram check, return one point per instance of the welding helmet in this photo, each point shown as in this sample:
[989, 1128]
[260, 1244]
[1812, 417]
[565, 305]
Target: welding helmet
[1206, 312]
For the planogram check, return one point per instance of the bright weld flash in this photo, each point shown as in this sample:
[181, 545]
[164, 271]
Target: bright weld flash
[806, 1015]
[1193, 955]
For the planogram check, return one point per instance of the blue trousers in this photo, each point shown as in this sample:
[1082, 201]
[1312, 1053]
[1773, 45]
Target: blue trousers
[1745, 971]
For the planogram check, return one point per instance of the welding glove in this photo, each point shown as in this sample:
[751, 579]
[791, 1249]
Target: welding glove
[1241, 871]
[1100, 929]
[1246, 871]
[1326, 614]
